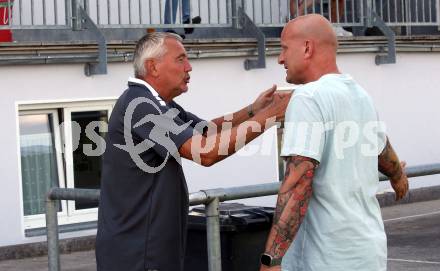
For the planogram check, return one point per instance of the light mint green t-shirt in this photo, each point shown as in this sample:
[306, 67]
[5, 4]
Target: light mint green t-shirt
[333, 121]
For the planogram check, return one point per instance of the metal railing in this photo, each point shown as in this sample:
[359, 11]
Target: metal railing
[158, 13]
[242, 17]
[349, 12]
[56, 14]
[278, 12]
[408, 12]
[37, 14]
[49, 14]
[210, 198]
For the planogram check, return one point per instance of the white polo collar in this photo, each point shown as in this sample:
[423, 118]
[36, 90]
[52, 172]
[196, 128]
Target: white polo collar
[149, 87]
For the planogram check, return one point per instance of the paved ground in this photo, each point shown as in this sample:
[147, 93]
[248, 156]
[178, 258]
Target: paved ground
[413, 232]
[413, 243]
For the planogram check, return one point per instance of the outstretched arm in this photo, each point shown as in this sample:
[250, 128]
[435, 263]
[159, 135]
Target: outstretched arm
[249, 111]
[390, 166]
[293, 199]
[214, 146]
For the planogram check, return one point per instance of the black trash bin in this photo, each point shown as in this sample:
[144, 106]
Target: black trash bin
[243, 233]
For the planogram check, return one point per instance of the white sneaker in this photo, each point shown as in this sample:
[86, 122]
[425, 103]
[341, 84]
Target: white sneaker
[341, 32]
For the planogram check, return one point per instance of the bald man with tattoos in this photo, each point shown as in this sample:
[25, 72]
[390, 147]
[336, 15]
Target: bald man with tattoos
[327, 216]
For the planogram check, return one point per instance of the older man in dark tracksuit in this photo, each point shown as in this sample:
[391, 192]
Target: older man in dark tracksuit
[144, 197]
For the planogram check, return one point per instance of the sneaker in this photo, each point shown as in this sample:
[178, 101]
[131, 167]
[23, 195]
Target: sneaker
[195, 20]
[341, 32]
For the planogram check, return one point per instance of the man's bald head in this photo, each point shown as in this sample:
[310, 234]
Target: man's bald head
[309, 47]
[312, 27]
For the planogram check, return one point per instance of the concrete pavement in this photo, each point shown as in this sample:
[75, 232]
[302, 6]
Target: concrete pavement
[413, 232]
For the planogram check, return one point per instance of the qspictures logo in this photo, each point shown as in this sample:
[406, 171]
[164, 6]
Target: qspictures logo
[163, 125]
[160, 125]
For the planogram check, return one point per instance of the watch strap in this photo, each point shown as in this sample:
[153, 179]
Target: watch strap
[272, 262]
[275, 262]
[250, 111]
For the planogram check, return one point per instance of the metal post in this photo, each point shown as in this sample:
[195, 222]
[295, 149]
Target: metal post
[390, 57]
[235, 5]
[408, 17]
[101, 66]
[437, 8]
[250, 27]
[213, 235]
[86, 6]
[52, 235]
[228, 12]
[76, 16]
[368, 11]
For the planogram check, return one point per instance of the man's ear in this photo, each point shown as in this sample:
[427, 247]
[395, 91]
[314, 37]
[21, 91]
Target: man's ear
[151, 67]
[309, 47]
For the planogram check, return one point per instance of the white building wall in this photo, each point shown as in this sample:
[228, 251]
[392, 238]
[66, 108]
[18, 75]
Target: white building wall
[405, 95]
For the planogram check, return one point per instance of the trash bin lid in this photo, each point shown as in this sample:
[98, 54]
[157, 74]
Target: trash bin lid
[234, 217]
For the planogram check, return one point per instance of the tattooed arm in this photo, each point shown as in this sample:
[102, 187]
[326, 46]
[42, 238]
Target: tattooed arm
[390, 166]
[293, 199]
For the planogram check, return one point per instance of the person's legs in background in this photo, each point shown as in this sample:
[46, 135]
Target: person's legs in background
[186, 16]
[337, 9]
[337, 16]
[170, 11]
[171, 15]
[298, 7]
[186, 10]
[337, 13]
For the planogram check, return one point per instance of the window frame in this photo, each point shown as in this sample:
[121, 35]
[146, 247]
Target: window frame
[85, 214]
[34, 221]
[67, 214]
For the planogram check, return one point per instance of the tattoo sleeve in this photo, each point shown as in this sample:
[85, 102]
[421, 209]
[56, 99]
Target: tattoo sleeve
[292, 203]
[389, 163]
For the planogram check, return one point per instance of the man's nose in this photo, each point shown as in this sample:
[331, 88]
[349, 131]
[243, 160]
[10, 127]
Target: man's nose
[280, 59]
[188, 67]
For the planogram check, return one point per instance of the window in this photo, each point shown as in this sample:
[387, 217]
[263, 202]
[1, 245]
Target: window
[41, 162]
[85, 130]
[61, 146]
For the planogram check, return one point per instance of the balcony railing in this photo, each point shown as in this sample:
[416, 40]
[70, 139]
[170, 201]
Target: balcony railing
[230, 18]
[49, 14]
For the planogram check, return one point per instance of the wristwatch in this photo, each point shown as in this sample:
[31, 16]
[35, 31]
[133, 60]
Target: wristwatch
[250, 111]
[268, 260]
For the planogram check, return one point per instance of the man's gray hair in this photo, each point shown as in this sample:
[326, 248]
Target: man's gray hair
[150, 46]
